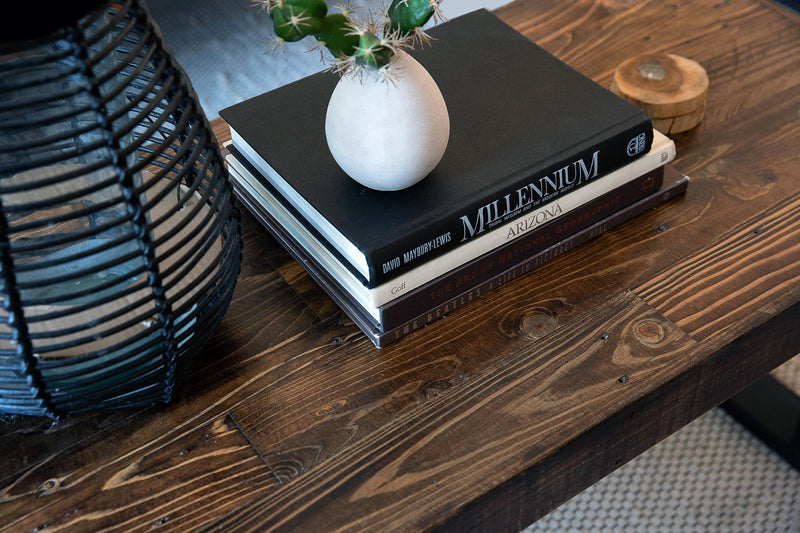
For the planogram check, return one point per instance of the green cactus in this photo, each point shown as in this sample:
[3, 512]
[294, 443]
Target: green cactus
[350, 43]
[337, 36]
[294, 19]
[372, 52]
[408, 15]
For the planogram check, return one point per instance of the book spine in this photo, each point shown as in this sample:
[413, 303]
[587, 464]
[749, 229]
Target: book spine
[528, 264]
[500, 235]
[529, 191]
[481, 269]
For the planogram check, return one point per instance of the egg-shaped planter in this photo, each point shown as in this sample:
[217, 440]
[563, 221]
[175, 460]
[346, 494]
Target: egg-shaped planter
[388, 131]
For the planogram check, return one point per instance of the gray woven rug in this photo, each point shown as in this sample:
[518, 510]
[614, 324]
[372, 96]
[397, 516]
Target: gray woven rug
[712, 476]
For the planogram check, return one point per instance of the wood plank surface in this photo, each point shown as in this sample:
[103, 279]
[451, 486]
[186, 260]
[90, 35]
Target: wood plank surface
[753, 269]
[498, 422]
[182, 477]
[488, 418]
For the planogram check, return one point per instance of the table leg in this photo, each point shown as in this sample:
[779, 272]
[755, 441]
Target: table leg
[771, 411]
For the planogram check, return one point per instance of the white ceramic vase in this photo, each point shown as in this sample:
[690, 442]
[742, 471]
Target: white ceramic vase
[388, 134]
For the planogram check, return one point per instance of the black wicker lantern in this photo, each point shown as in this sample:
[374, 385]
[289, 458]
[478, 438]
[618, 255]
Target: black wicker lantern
[119, 240]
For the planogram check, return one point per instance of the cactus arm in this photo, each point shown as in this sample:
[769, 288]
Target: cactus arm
[407, 15]
[337, 36]
[294, 19]
[284, 28]
[372, 52]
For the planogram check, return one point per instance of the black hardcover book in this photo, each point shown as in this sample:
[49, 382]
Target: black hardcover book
[674, 184]
[520, 120]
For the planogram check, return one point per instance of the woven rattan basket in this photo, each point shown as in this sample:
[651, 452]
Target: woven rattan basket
[119, 240]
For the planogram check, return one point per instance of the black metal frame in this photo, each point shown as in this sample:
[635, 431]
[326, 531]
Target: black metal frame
[771, 411]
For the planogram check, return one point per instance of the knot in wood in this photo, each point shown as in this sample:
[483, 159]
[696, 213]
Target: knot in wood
[537, 324]
[431, 391]
[651, 70]
[649, 331]
[338, 404]
[50, 486]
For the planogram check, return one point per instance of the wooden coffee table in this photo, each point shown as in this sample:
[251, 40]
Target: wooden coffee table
[489, 418]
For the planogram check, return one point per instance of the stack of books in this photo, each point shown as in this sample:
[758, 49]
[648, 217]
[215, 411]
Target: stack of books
[540, 160]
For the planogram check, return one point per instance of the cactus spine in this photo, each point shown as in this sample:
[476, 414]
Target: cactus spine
[352, 43]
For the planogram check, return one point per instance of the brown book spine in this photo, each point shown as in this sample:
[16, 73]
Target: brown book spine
[482, 269]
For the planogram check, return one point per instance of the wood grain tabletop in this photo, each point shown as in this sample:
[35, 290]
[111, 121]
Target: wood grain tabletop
[489, 418]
